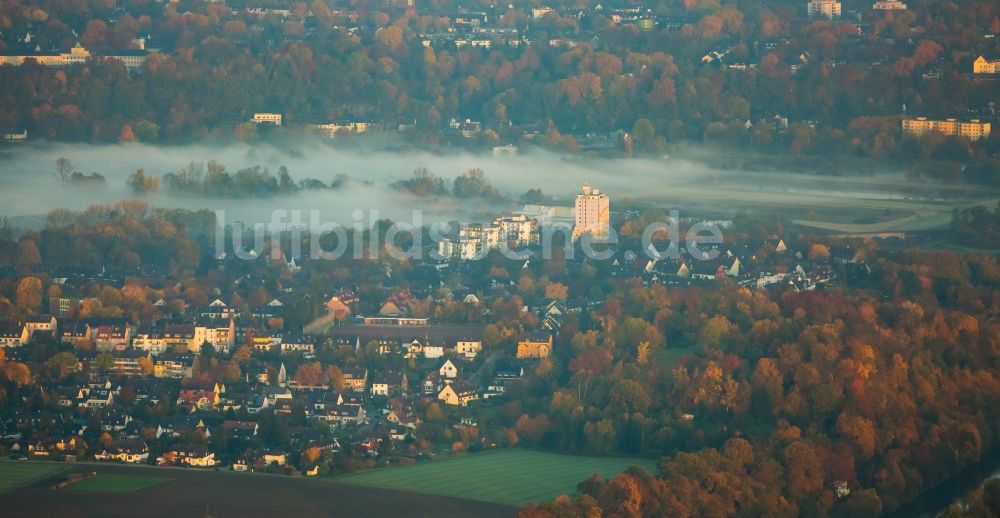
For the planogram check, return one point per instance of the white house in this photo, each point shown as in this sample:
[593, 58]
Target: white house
[448, 370]
[468, 348]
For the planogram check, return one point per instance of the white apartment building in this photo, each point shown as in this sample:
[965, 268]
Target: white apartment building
[889, 5]
[828, 9]
[475, 240]
[973, 129]
[219, 333]
[267, 118]
[592, 213]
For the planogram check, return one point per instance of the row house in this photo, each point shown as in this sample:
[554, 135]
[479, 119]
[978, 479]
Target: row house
[77, 332]
[10, 335]
[104, 334]
[39, 324]
[355, 378]
[94, 396]
[162, 337]
[110, 334]
[306, 346]
[388, 383]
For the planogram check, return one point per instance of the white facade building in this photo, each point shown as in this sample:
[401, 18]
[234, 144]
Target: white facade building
[828, 9]
[592, 213]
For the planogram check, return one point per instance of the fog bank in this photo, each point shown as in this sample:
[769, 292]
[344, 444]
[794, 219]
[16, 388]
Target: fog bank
[31, 187]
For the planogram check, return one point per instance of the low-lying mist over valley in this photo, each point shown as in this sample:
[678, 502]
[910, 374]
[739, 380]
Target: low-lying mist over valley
[344, 180]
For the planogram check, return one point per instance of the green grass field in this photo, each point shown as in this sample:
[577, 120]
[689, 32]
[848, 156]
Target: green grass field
[513, 477]
[115, 483]
[19, 474]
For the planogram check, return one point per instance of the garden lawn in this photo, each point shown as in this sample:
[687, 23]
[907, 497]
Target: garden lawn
[116, 483]
[512, 477]
[19, 474]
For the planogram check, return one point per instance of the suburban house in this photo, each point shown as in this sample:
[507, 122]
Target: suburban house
[259, 460]
[274, 457]
[339, 305]
[240, 429]
[125, 450]
[415, 349]
[200, 399]
[256, 403]
[356, 378]
[535, 346]
[388, 383]
[448, 370]
[195, 456]
[183, 425]
[115, 420]
[468, 348]
[389, 309]
[459, 393]
[433, 351]
[98, 398]
[342, 414]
